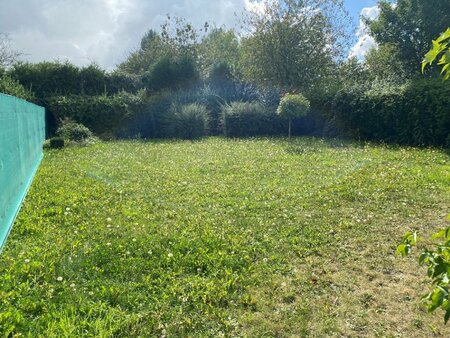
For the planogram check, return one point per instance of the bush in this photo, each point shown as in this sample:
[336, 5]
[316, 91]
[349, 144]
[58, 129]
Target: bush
[245, 119]
[56, 143]
[187, 122]
[73, 131]
[415, 114]
[12, 87]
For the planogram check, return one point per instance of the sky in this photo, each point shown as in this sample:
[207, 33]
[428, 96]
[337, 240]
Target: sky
[106, 31]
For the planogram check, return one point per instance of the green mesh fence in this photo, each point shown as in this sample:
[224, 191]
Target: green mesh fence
[22, 133]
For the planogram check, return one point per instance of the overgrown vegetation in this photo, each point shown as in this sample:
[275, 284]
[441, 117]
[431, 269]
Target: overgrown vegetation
[256, 237]
[286, 47]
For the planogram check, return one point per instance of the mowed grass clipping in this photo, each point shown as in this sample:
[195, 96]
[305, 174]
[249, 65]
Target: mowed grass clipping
[241, 238]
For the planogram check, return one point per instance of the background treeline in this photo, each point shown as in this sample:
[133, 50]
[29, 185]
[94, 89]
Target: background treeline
[185, 82]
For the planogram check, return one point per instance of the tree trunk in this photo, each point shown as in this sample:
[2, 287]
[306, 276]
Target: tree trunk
[289, 129]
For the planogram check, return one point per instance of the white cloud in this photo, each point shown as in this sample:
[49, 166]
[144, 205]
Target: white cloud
[365, 41]
[104, 31]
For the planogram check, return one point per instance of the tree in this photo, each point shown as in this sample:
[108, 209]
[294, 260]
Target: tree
[291, 106]
[7, 54]
[151, 50]
[408, 27]
[384, 64]
[220, 46]
[292, 44]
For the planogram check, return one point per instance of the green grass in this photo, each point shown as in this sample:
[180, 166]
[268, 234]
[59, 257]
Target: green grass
[251, 238]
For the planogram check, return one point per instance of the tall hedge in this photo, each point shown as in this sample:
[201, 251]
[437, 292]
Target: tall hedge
[416, 114]
[104, 115]
[245, 119]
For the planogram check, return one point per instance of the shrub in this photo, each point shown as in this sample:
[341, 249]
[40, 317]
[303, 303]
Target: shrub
[56, 143]
[244, 119]
[73, 131]
[292, 106]
[12, 87]
[188, 122]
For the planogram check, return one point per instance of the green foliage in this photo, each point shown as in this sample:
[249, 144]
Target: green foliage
[383, 64]
[171, 73]
[245, 119]
[73, 131]
[57, 142]
[188, 122]
[292, 44]
[408, 27]
[12, 87]
[220, 47]
[104, 115]
[47, 79]
[293, 105]
[93, 80]
[415, 114]
[441, 47]
[437, 262]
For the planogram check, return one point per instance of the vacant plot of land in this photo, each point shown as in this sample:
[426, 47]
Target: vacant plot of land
[253, 238]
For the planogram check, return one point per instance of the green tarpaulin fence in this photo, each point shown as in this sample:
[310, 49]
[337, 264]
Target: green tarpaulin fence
[22, 134]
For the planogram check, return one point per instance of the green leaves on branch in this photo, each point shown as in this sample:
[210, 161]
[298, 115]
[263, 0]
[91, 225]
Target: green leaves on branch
[441, 47]
[409, 240]
[437, 262]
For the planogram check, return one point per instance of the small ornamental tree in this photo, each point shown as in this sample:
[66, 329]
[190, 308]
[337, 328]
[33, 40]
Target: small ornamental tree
[291, 106]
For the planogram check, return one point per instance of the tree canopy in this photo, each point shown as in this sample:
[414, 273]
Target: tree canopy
[408, 27]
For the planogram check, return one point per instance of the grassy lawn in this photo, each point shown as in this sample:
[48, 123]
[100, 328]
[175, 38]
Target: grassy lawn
[251, 238]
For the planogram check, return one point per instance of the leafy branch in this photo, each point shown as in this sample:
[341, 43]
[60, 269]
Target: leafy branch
[441, 47]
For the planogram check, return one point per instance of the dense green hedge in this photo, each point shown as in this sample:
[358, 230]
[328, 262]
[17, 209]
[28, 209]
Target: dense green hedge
[104, 115]
[416, 114]
[245, 119]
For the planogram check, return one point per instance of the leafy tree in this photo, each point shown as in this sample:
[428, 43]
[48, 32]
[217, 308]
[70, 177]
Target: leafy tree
[383, 64]
[151, 49]
[408, 27]
[292, 44]
[441, 47]
[219, 47]
[291, 106]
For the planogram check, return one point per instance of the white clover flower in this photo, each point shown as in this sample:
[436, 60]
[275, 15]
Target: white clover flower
[134, 239]
[27, 261]
[72, 285]
[109, 220]
[170, 255]
[108, 244]
[59, 279]
[109, 226]
[67, 209]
